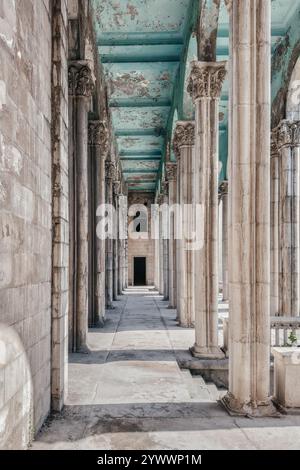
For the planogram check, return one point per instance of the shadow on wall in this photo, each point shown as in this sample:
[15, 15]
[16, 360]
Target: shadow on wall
[16, 410]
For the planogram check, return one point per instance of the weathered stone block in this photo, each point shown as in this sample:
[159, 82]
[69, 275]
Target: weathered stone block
[287, 376]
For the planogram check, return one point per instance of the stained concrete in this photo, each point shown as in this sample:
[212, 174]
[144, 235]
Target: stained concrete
[129, 392]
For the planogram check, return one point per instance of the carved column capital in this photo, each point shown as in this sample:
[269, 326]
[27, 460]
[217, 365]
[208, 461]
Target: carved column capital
[171, 171]
[228, 4]
[98, 134]
[287, 134]
[117, 188]
[184, 136]
[164, 188]
[223, 189]
[110, 170]
[274, 146]
[206, 79]
[81, 82]
[160, 199]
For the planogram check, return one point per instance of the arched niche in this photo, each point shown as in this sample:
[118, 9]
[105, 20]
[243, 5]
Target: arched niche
[293, 97]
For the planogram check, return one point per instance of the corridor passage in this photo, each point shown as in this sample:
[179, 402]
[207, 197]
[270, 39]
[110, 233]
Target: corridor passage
[129, 392]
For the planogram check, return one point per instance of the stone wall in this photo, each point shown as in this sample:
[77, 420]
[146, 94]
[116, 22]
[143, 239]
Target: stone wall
[60, 214]
[25, 218]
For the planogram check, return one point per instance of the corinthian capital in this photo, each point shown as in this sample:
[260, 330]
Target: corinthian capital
[98, 135]
[80, 79]
[184, 135]
[171, 171]
[110, 170]
[117, 188]
[223, 188]
[206, 79]
[288, 134]
[228, 4]
[274, 146]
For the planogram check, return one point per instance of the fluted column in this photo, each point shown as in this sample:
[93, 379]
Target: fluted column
[81, 87]
[288, 143]
[122, 240]
[249, 198]
[166, 242]
[274, 221]
[205, 87]
[184, 139]
[171, 174]
[98, 141]
[155, 229]
[161, 246]
[116, 191]
[110, 175]
[224, 199]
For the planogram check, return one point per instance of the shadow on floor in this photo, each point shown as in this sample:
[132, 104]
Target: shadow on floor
[102, 357]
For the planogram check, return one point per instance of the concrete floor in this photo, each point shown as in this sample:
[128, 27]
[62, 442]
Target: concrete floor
[130, 393]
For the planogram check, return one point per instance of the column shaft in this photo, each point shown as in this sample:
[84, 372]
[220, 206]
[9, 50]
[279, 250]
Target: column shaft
[225, 243]
[184, 150]
[171, 169]
[98, 140]
[249, 196]
[288, 141]
[205, 86]
[274, 221]
[80, 88]
[109, 241]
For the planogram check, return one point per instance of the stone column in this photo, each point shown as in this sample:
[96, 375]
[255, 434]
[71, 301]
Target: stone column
[98, 140]
[161, 247]
[110, 175]
[171, 172]
[288, 142]
[166, 243]
[184, 138]
[274, 294]
[81, 87]
[249, 198]
[122, 233]
[224, 198]
[155, 233]
[116, 190]
[205, 87]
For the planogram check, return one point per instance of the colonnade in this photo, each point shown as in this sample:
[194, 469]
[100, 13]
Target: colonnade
[260, 212]
[98, 264]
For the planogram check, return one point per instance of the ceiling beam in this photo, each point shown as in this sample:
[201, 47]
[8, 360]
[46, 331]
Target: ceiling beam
[139, 39]
[208, 30]
[138, 102]
[154, 132]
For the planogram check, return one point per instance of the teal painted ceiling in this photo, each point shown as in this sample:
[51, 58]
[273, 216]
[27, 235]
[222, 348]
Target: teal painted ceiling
[141, 43]
[145, 47]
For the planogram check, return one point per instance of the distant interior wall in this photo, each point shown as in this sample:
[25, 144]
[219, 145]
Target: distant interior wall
[141, 247]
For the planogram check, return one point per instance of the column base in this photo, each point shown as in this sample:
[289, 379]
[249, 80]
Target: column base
[84, 349]
[99, 323]
[184, 324]
[207, 353]
[110, 307]
[254, 410]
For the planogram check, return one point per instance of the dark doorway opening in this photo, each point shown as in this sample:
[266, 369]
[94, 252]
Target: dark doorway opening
[140, 271]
